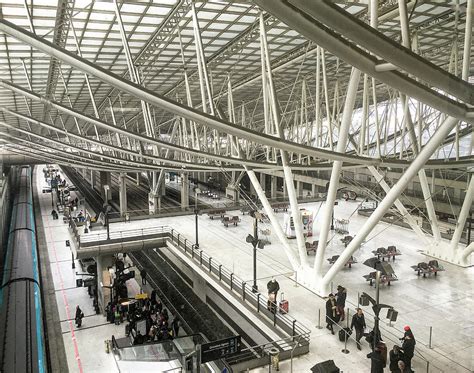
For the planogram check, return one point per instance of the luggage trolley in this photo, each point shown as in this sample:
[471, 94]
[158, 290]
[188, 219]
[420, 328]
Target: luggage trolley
[341, 226]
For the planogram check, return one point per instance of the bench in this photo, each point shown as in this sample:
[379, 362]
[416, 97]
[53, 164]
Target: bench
[349, 263]
[389, 252]
[311, 247]
[245, 210]
[280, 207]
[230, 220]
[384, 279]
[216, 213]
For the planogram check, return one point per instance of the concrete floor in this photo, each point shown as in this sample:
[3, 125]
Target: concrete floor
[443, 303]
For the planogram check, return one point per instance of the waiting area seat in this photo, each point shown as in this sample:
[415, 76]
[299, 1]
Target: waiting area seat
[389, 252]
[216, 213]
[230, 220]
[432, 267]
[349, 263]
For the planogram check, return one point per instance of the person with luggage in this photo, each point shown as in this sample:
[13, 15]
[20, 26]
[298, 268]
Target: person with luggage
[79, 316]
[395, 357]
[332, 315]
[272, 286]
[358, 323]
[341, 301]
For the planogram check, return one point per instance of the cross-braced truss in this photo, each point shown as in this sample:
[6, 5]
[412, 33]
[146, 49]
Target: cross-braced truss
[269, 85]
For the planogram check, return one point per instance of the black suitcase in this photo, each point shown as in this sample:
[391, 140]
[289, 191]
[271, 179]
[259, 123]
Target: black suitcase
[327, 366]
[344, 333]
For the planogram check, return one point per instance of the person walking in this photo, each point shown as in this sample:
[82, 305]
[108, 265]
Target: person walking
[395, 356]
[175, 324]
[79, 316]
[332, 315]
[358, 323]
[143, 275]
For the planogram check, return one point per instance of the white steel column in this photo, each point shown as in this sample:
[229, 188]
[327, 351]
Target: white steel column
[409, 124]
[273, 219]
[388, 201]
[273, 186]
[461, 255]
[123, 193]
[184, 191]
[295, 212]
[326, 215]
[455, 251]
[406, 215]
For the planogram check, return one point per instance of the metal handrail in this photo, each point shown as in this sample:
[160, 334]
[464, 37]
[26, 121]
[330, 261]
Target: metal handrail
[284, 321]
[256, 300]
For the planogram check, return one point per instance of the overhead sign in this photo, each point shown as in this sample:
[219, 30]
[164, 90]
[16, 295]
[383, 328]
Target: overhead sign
[220, 349]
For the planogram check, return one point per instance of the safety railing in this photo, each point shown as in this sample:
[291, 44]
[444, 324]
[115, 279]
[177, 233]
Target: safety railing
[244, 291]
[258, 301]
[126, 235]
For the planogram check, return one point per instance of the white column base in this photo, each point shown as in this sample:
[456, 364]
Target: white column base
[443, 251]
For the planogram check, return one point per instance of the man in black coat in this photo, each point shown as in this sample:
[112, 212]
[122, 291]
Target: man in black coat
[273, 286]
[332, 315]
[358, 322]
[341, 300]
[408, 348]
[143, 275]
[377, 363]
[395, 356]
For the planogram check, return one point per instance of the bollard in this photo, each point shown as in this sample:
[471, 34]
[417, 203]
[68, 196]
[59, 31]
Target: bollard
[427, 366]
[346, 337]
[73, 264]
[347, 317]
[319, 319]
[431, 333]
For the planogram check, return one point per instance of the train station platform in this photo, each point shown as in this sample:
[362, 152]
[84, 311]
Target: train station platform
[432, 306]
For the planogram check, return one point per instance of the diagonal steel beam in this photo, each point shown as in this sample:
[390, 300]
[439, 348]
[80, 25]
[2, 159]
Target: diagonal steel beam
[376, 42]
[456, 109]
[359, 58]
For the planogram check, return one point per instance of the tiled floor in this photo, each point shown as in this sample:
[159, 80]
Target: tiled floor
[443, 303]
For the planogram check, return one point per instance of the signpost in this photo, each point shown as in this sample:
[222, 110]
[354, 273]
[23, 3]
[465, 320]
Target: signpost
[220, 349]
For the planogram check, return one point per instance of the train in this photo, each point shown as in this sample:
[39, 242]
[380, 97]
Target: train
[22, 331]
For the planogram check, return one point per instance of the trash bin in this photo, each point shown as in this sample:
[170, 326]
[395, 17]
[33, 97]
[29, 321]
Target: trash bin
[274, 358]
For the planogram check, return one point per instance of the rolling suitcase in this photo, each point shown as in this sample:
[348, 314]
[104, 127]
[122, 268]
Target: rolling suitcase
[344, 333]
[283, 305]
